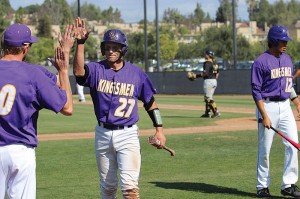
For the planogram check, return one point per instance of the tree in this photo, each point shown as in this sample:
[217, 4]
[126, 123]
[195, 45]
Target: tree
[111, 16]
[90, 12]
[199, 15]
[136, 47]
[224, 12]
[59, 9]
[40, 51]
[44, 26]
[168, 47]
[5, 13]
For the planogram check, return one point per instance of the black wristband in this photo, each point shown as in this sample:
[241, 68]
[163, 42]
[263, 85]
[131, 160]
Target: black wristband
[155, 117]
[80, 41]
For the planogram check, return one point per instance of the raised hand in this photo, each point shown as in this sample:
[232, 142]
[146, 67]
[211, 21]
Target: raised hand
[66, 40]
[81, 33]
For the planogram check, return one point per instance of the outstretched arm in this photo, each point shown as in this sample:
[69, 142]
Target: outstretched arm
[81, 35]
[61, 63]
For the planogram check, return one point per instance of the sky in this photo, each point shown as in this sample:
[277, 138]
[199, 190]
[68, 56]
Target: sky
[133, 10]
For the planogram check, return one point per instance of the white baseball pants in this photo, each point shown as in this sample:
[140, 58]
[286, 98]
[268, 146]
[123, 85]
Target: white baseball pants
[209, 87]
[17, 172]
[282, 117]
[117, 150]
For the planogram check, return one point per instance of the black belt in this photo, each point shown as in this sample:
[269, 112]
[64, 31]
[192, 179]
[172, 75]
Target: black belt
[274, 99]
[113, 127]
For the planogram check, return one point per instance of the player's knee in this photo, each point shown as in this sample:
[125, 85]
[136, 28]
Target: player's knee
[131, 194]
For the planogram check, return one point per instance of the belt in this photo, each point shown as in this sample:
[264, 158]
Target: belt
[113, 127]
[274, 99]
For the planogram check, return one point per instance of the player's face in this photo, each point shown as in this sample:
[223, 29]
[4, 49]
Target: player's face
[282, 46]
[112, 51]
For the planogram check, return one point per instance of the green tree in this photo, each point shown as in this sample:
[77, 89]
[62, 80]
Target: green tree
[136, 48]
[40, 51]
[19, 15]
[111, 16]
[5, 11]
[199, 14]
[224, 12]
[189, 50]
[90, 12]
[59, 9]
[168, 47]
[44, 26]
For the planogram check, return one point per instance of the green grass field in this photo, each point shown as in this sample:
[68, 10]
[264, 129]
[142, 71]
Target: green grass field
[209, 165]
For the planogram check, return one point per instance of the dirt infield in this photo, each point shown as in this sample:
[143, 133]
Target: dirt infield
[221, 125]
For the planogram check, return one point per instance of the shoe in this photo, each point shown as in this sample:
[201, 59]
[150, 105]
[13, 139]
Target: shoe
[217, 114]
[206, 115]
[291, 191]
[263, 193]
[82, 100]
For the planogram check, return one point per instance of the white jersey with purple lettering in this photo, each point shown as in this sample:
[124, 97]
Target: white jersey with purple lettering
[115, 94]
[24, 90]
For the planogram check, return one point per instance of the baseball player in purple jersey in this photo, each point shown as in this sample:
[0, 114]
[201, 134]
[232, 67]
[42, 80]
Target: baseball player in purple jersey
[272, 85]
[115, 88]
[25, 89]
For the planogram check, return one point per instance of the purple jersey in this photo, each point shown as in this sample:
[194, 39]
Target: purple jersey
[47, 73]
[115, 94]
[272, 76]
[24, 90]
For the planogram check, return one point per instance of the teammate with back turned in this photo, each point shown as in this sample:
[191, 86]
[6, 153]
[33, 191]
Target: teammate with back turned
[272, 86]
[24, 90]
[115, 87]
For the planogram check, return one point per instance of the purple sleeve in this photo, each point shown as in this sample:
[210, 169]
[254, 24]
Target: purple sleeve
[148, 90]
[49, 96]
[48, 73]
[256, 81]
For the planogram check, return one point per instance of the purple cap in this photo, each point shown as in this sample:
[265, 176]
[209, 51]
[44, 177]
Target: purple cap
[18, 34]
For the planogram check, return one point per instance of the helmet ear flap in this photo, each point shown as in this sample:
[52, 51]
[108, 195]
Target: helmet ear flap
[102, 48]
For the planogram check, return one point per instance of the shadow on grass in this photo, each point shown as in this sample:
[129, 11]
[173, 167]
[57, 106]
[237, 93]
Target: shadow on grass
[205, 188]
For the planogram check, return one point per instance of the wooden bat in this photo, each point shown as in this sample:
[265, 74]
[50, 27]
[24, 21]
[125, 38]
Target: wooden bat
[155, 142]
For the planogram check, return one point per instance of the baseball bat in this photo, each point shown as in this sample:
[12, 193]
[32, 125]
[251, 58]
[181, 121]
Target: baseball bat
[296, 145]
[155, 142]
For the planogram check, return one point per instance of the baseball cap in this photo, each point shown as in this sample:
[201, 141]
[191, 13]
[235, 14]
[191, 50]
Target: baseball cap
[16, 35]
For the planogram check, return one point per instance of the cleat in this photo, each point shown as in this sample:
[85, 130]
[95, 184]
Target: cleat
[291, 191]
[217, 114]
[205, 115]
[263, 193]
[82, 100]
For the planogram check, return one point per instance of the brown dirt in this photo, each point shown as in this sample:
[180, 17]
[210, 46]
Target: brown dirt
[220, 125]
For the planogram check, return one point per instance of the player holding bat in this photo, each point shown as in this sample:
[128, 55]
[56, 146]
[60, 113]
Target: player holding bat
[272, 87]
[115, 87]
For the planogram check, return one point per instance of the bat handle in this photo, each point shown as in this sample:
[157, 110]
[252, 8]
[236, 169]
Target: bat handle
[172, 152]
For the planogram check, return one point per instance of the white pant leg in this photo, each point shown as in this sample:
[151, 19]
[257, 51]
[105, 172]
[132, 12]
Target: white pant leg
[107, 163]
[209, 87]
[288, 127]
[17, 174]
[80, 90]
[128, 149]
[265, 140]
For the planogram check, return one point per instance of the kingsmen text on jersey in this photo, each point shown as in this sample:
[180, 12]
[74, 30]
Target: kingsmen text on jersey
[272, 76]
[116, 93]
[24, 90]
